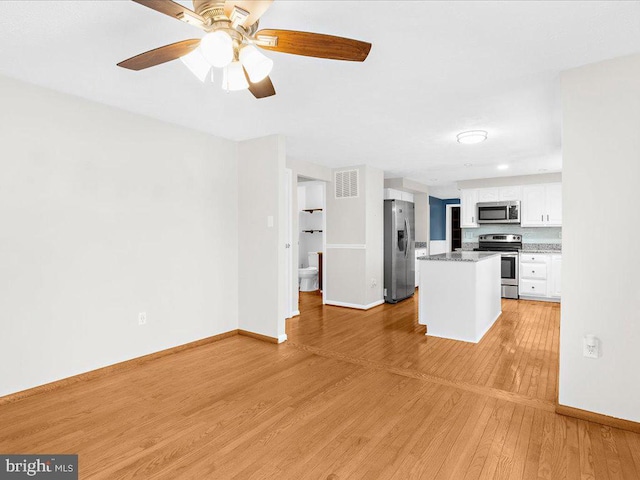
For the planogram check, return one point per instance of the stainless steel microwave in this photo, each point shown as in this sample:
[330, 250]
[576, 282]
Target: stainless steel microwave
[498, 212]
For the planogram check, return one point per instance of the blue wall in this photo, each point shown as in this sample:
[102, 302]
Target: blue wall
[438, 217]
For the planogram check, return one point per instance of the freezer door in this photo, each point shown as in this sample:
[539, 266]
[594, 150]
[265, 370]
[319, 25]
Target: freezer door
[400, 256]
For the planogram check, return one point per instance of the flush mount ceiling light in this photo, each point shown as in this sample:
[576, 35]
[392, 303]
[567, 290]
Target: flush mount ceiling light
[230, 41]
[502, 167]
[472, 136]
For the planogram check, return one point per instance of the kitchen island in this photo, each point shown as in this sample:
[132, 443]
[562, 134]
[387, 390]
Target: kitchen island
[459, 295]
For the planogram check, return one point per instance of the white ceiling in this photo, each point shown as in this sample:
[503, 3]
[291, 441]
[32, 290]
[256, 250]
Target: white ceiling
[435, 69]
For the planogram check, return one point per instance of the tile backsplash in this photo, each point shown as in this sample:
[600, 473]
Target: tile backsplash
[529, 235]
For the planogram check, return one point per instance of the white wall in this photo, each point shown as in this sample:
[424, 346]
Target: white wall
[104, 214]
[374, 275]
[601, 284]
[421, 201]
[354, 256]
[261, 164]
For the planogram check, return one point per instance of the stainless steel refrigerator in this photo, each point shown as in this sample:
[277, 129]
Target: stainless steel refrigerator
[399, 250]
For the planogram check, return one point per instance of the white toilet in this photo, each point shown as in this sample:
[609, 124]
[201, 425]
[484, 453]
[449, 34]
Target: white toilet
[308, 277]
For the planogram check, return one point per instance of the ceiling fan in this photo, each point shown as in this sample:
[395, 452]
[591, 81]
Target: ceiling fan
[231, 40]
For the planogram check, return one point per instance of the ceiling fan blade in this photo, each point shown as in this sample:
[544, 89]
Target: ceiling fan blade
[262, 89]
[174, 10]
[256, 9]
[160, 55]
[313, 45]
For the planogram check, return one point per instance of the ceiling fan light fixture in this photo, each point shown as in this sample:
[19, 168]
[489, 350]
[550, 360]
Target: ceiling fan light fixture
[258, 66]
[233, 78]
[472, 136]
[217, 48]
[198, 65]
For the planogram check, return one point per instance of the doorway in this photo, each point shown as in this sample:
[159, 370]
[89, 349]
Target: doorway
[309, 237]
[454, 231]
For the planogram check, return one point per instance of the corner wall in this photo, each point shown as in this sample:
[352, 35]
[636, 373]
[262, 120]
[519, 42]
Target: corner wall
[354, 257]
[261, 232]
[600, 284]
[105, 214]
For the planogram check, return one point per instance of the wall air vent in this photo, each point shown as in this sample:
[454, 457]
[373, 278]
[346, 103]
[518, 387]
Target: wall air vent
[346, 183]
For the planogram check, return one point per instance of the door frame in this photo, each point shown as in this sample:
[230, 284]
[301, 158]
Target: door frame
[449, 216]
[288, 198]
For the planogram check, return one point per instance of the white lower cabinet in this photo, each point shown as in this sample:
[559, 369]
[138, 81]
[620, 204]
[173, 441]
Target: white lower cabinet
[420, 252]
[556, 275]
[540, 276]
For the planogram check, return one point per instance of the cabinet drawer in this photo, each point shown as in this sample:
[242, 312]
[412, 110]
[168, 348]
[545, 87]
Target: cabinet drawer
[533, 258]
[533, 287]
[536, 271]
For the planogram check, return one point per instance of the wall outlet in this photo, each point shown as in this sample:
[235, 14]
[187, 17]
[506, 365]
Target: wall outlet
[374, 283]
[142, 318]
[590, 346]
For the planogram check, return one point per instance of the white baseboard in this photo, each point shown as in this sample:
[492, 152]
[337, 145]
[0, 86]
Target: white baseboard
[540, 299]
[295, 313]
[354, 305]
[282, 338]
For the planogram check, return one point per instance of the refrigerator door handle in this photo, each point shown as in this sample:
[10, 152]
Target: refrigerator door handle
[406, 237]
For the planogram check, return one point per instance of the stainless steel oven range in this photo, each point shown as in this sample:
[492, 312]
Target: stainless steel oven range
[509, 246]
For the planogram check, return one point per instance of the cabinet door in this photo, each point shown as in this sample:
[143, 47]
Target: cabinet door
[392, 194]
[554, 205]
[533, 206]
[533, 271]
[556, 276]
[533, 288]
[406, 196]
[468, 200]
[506, 194]
[488, 195]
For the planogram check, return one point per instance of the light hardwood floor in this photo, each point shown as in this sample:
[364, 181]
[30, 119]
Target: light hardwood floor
[351, 395]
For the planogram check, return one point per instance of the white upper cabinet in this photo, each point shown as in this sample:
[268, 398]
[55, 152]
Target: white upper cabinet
[533, 206]
[468, 200]
[406, 196]
[393, 194]
[488, 195]
[554, 205]
[499, 194]
[542, 205]
[510, 193]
